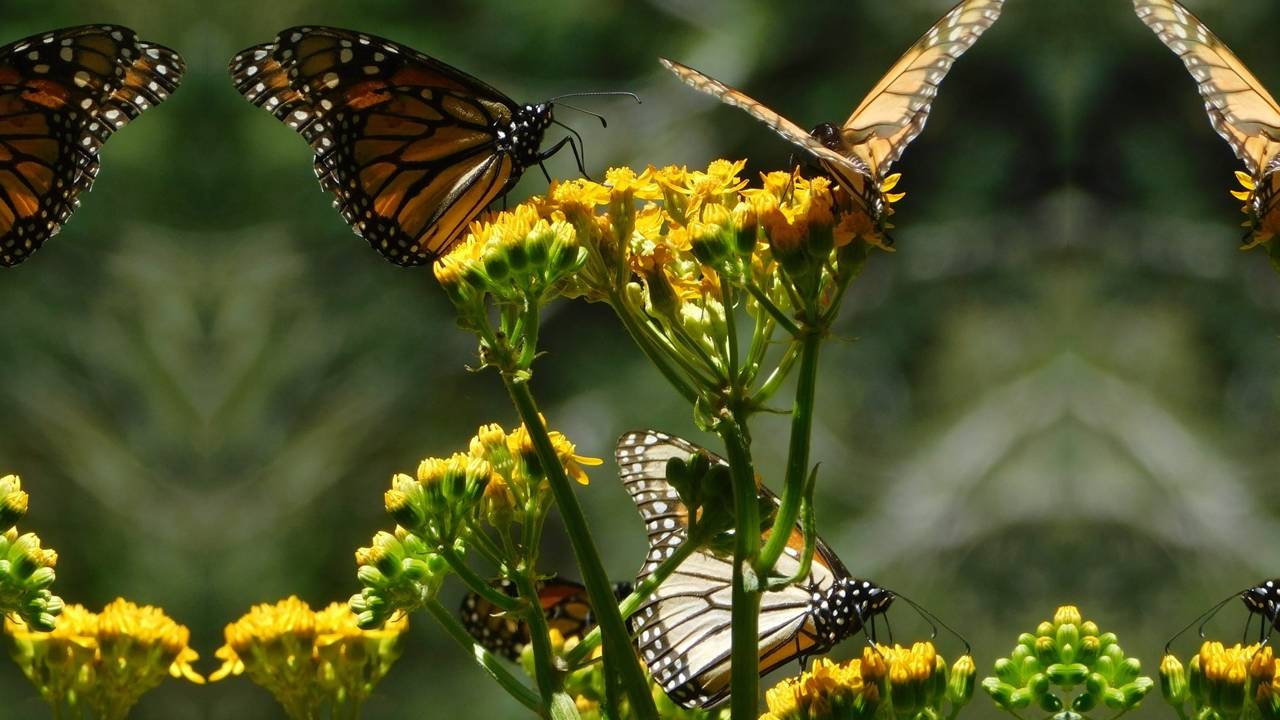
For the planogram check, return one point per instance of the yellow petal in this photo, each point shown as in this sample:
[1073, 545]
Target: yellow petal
[894, 197]
[890, 182]
[1245, 179]
[1242, 195]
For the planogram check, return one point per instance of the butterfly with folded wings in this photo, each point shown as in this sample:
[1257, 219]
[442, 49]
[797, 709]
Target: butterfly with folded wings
[564, 602]
[683, 630]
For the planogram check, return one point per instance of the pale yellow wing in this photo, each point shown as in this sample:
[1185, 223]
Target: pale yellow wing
[848, 172]
[895, 110]
[1241, 110]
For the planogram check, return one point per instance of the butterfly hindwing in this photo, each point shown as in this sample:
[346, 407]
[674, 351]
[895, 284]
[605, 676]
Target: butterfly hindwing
[565, 603]
[62, 95]
[683, 629]
[411, 148]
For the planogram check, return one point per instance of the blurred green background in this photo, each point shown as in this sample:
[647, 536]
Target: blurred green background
[1062, 387]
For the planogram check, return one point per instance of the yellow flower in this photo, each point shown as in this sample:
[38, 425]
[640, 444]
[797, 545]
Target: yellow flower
[13, 501]
[309, 661]
[829, 690]
[104, 661]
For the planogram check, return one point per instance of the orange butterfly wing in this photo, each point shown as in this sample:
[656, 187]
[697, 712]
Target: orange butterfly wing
[62, 94]
[406, 144]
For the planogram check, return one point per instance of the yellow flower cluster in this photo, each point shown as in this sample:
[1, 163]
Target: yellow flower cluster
[310, 660]
[103, 662]
[830, 690]
[669, 220]
[913, 682]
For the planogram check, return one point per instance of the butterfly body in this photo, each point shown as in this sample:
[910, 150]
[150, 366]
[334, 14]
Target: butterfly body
[859, 153]
[683, 629]
[411, 149]
[63, 93]
[1264, 600]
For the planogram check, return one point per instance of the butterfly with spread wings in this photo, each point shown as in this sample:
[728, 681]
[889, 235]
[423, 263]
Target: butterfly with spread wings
[1262, 600]
[564, 602]
[63, 93]
[411, 148]
[859, 153]
[683, 629]
[1239, 107]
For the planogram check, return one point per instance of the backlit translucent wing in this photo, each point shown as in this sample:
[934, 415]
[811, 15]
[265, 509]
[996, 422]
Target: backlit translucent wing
[683, 630]
[62, 95]
[895, 111]
[408, 146]
[1240, 109]
[564, 602]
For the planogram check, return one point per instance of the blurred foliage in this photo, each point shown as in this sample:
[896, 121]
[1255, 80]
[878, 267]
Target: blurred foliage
[1062, 386]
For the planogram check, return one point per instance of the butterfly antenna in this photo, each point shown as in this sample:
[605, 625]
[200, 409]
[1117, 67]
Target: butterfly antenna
[888, 626]
[932, 619]
[1201, 619]
[863, 622]
[1248, 623]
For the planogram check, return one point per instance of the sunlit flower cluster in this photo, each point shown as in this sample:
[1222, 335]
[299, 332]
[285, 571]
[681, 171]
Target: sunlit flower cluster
[1068, 663]
[102, 663]
[312, 662]
[886, 681]
[1223, 682]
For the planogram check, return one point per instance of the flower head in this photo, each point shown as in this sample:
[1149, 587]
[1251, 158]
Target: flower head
[852, 690]
[105, 661]
[309, 661]
[13, 501]
[26, 573]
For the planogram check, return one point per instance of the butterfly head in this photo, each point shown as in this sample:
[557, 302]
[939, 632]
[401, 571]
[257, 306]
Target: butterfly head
[522, 136]
[1264, 599]
[846, 606]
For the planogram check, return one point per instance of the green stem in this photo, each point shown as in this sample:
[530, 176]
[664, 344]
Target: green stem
[477, 584]
[774, 311]
[487, 662]
[726, 302]
[779, 374]
[619, 655]
[632, 602]
[544, 672]
[745, 653]
[797, 454]
[650, 347]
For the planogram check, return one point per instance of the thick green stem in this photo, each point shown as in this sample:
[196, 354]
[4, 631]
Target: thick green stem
[745, 654]
[477, 584]
[632, 603]
[487, 662]
[619, 655]
[797, 454]
[544, 671]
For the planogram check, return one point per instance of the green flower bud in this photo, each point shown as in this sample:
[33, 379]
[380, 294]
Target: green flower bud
[1067, 640]
[1008, 672]
[1067, 675]
[1089, 649]
[1046, 651]
[1050, 703]
[1173, 681]
[13, 501]
[1084, 703]
[1135, 691]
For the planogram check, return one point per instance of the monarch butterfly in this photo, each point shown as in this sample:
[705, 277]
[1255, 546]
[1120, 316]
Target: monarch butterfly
[565, 603]
[411, 148]
[1239, 107]
[683, 629]
[62, 94]
[1262, 600]
[887, 119]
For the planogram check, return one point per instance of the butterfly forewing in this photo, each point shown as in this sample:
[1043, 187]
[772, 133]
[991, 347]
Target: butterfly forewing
[895, 111]
[1240, 108]
[683, 629]
[62, 95]
[411, 148]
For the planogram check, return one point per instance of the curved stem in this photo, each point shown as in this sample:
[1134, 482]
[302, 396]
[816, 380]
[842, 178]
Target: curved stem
[774, 311]
[650, 347]
[745, 653]
[779, 374]
[797, 454]
[619, 656]
[477, 584]
[487, 661]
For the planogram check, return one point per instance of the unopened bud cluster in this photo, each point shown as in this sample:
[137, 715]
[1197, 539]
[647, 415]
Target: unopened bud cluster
[1068, 665]
[1223, 683]
[26, 569]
